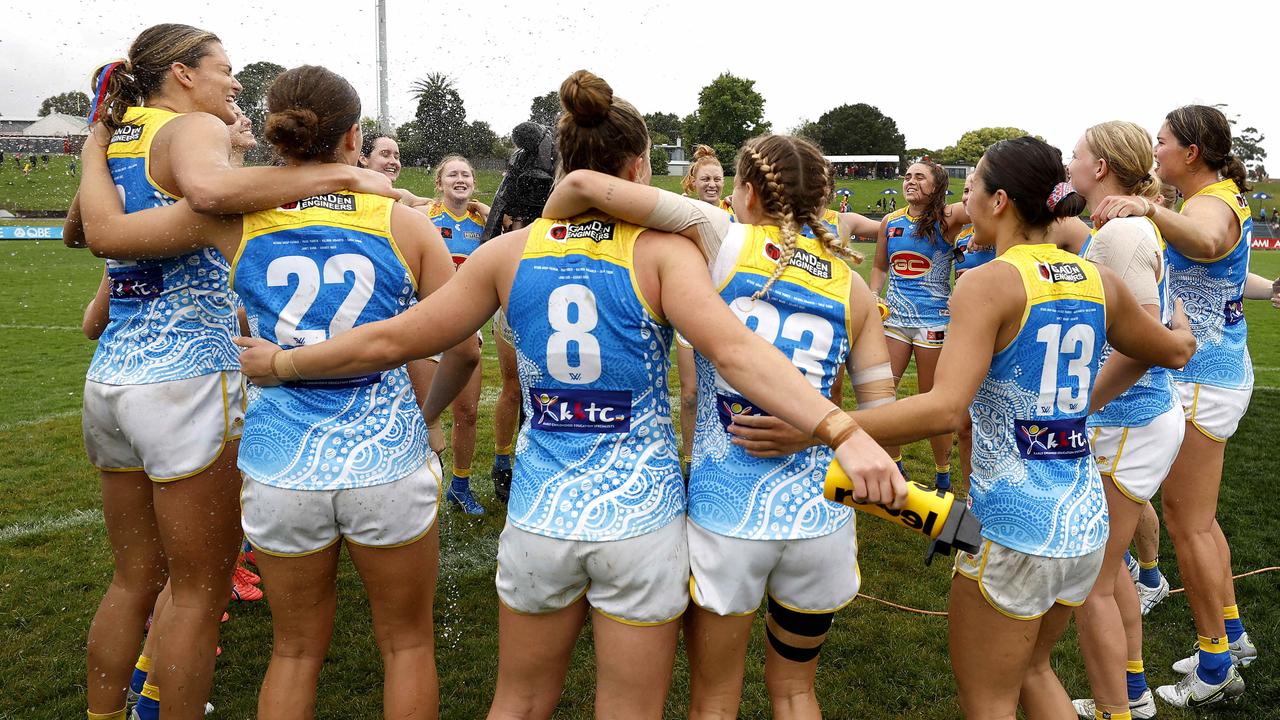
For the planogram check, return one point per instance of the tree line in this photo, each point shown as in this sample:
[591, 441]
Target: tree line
[730, 110]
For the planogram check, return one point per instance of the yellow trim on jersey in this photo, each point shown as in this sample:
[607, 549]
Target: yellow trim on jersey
[900, 212]
[371, 215]
[831, 217]
[438, 208]
[1026, 260]
[619, 249]
[1228, 192]
[150, 120]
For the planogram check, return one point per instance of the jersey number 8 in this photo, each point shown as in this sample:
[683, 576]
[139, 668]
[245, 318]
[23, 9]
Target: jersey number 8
[571, 311]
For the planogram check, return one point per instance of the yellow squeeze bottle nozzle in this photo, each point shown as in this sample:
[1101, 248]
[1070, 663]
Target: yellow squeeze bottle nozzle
[936, 514]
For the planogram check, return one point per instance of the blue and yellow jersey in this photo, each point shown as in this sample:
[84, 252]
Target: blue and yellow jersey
[919, 274]
[1212, 293]
[306, 272]
[966, 258]
[171, 319]
[598, 456]
[1152, 395]
[1034, 484]
[830, 218]
[727, 206]
[806, 316]
[461, 234]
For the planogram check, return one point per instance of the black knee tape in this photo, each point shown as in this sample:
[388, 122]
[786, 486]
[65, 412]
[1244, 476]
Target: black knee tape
[791, 652]
[800, 623]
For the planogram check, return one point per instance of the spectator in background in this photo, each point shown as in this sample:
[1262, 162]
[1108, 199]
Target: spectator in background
[66, 145]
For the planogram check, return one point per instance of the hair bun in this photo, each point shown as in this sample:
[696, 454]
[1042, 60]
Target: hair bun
[293, 127]
[587, 98]
[704, 151]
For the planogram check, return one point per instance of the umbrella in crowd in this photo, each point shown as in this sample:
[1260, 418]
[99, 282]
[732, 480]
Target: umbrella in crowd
[888, 191]
[844, 191]
[1262, 196]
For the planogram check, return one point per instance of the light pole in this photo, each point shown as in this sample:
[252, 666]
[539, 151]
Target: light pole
[380, 15]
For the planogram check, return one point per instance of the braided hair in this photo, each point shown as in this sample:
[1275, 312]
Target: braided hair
[794, 183]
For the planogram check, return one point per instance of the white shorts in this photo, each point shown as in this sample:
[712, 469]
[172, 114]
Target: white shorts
[1138, 459]
[169, 430]
[730, 576]
[1215, 411]
[1023, 586]
[502, 329]
[291, 523]
[925, 337]
[642, 580]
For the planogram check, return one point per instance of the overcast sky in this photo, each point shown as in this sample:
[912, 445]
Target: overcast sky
[937, 68]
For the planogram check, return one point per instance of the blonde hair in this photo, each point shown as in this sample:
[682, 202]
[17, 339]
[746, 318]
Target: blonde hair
[1127, 149]
[597, 130]
[794, 182]
[440, 172]
[702, 155]
[142, 73]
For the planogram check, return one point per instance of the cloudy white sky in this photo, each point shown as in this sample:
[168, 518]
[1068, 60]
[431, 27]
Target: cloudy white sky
[937, 68]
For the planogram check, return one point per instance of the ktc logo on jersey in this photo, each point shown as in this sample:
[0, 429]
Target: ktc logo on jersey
[909, 264]
[137, 282]
[332, 201]
[580, 411]
[596, 230]
[1233, 311]
[1051, 439]
[728, 405]
[1060, 272]
[446, 233]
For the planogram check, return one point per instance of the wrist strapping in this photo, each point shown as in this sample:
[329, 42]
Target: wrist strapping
[834, 428]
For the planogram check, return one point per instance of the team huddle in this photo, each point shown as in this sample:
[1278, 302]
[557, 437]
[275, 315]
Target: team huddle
[276, 346]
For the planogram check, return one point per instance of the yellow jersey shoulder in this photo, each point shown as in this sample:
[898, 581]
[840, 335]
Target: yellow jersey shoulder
[1228, 192]
[356, 211]
[137, 129]
[595, 235]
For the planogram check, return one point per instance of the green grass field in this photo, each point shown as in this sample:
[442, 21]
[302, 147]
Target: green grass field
[880, 662]
[53, 189]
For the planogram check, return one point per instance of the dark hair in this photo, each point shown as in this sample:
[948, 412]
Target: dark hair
[935, 210]
[1208, 129]
[597, 131]
[366, 147]
[142, 74]
[309, 109]
[1027, 170]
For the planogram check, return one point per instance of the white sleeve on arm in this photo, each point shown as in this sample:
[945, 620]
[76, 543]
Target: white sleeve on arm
[676, 213]
[1131, 252]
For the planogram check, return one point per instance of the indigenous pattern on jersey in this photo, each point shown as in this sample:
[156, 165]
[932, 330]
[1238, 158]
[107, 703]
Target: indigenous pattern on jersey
[919, 274]
[1034, 485]
[806, 316]
[1152, 395]
[170, 319]
[1212, 293]
[461, 234]
[966, 258]
[830, 218]
[309, 271]
[598, 455]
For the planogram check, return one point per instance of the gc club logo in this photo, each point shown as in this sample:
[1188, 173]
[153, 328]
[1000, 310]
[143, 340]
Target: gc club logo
[910, 264]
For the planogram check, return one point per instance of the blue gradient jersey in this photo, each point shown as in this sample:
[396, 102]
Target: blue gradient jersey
[306, 272]
[1152, 395]
[919, 274]
[1034, 484]
[598, 456]
[461, 234]
[830, 218]
[806, 316]
[967, 258]
[171, 319]
[1212, 292]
